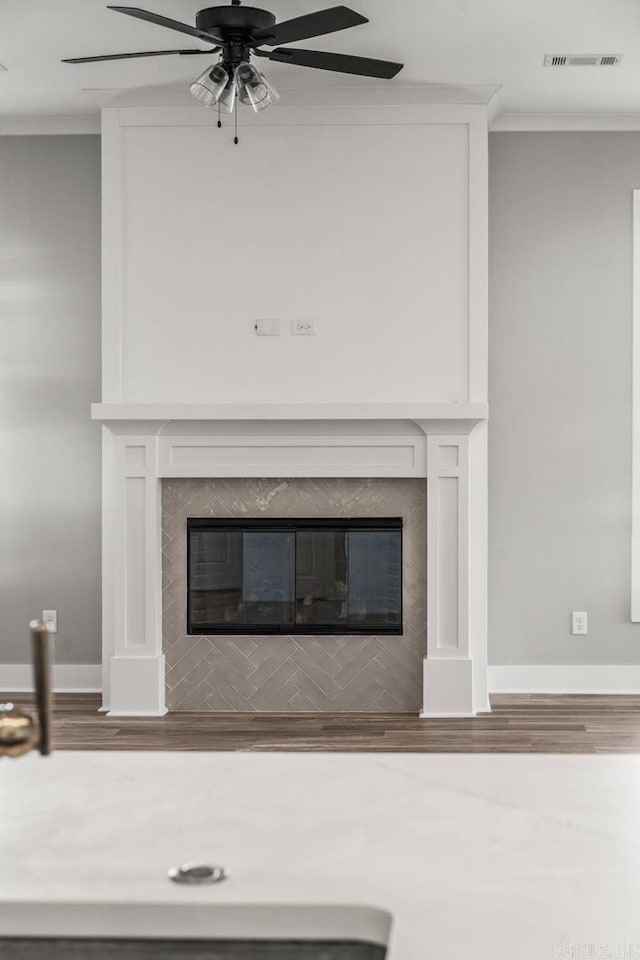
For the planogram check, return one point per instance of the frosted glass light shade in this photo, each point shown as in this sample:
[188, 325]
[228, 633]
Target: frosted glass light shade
[253, 87]
[210, 85]
[274, 96]
[228, 97]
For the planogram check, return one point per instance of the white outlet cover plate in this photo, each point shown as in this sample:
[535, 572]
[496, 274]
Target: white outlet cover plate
[578, 622]
[303, 327]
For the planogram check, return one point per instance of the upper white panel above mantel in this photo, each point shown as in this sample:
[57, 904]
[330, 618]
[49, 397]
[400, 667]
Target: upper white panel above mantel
[371, 221]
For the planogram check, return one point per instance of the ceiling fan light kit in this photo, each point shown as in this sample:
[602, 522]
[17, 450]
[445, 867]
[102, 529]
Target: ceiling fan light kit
[237, 32]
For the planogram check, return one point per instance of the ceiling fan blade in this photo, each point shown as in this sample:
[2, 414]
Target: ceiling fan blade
[127, 56]
[362, 66]
[311, 25]
[166, 22]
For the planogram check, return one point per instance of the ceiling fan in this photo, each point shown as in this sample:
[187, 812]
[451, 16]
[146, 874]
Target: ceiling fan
[237, 33]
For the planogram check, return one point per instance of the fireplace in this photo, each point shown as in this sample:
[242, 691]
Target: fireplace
[285, 576]
[294, 594]
[426, 465]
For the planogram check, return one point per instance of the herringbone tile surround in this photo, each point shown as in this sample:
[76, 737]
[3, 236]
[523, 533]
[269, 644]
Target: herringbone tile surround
[284, 673]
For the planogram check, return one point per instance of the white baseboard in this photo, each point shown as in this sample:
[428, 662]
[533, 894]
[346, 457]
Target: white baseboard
[135, 713]
[444, 716]
[565, 678]
[67, 677]
[549, 678]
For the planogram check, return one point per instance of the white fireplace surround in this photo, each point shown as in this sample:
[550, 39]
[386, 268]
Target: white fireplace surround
[445, 443]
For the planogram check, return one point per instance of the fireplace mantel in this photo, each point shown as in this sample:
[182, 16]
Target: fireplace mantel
[416, 412]
[443, 443]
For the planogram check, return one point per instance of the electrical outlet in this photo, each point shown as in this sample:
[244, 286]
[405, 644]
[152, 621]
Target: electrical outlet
[305, 328]
[578, 622]
[50, 620]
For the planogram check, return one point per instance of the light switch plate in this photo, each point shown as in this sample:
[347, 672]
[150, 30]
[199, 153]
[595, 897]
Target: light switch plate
[267, 327]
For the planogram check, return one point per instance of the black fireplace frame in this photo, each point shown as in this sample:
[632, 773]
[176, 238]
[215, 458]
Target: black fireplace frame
[292, 523]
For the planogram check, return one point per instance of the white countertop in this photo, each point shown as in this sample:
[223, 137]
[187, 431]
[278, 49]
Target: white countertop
[494, 857]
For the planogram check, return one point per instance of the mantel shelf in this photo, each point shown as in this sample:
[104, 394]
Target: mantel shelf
[289, 411]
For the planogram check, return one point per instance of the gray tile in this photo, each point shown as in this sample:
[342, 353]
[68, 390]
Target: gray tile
[294, 673]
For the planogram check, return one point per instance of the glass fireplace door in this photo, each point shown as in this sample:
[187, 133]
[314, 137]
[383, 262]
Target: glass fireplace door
[294, 576]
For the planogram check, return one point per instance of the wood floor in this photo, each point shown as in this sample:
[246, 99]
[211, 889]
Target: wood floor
[518, 724]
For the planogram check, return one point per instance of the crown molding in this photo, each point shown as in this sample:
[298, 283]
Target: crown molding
[374, 94]
[564, 122]
[495, 106]
[55, 126]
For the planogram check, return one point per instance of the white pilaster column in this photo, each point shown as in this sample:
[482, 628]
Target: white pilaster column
[132, 576]
[454, 681]
[479, 563]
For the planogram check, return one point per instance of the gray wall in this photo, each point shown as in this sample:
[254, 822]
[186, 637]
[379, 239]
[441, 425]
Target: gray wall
[49, 374]
[560, 392]
[560, 395]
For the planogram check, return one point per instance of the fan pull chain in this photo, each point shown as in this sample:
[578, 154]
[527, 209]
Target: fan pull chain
[219, 120]
[235, 115]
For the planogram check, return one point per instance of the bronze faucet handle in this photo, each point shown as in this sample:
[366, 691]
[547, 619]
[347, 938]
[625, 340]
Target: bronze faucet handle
[42, 683]
[19, 731]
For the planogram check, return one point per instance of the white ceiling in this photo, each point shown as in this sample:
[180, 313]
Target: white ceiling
[463, 42]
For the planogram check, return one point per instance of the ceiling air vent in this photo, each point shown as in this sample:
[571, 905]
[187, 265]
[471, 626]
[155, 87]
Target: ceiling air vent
[582, 60]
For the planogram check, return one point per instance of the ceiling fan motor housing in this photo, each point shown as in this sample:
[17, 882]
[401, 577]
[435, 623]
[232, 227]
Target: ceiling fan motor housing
[234, 23]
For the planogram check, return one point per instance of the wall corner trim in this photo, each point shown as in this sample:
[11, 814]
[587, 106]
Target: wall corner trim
[635, 413]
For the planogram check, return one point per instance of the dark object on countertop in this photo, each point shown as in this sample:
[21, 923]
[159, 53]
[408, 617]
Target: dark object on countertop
[20, 732]
[75, 949]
